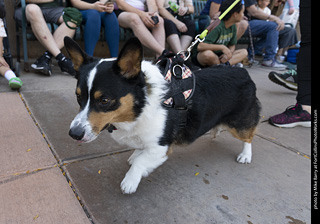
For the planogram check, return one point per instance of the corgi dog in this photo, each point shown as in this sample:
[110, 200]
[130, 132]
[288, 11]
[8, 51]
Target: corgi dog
[125, 96]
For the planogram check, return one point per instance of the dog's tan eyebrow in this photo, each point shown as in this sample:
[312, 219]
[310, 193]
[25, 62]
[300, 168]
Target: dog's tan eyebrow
[97, 94]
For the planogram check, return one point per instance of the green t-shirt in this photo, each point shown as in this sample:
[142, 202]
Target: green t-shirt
[221, 35]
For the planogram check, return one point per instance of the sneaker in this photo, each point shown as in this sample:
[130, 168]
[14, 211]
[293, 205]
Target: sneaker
[287, 79]
[15, 83]
[66, 65]
[42, 65]
[292, 117]
[273, 64]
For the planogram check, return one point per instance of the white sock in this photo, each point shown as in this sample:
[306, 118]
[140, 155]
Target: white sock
[9, 75]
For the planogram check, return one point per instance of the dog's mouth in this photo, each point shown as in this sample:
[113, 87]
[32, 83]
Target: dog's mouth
[109, 127]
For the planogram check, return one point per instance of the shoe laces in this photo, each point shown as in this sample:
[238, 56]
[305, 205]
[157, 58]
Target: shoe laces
[293, 110]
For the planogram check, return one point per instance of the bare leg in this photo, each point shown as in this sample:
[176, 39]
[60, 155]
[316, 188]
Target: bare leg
[174, 43]
[133, 21]
[185, 41]
[238, 56]
[39, 27]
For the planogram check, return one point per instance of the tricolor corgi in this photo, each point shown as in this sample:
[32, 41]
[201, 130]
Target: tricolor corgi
[126, 95]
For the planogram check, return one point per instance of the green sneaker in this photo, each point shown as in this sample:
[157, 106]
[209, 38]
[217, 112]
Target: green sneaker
[15, 83]
[287, 79]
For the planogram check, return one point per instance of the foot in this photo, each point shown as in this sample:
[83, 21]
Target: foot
[287, 79]
[66, 65]
[273, 64]
[15, 83]
[292, 117]
[42, 64]
[246, 154]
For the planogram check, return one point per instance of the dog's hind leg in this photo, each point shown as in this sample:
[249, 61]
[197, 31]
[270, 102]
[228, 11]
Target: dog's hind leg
[215, 132]
[142, 165]
[246, 136]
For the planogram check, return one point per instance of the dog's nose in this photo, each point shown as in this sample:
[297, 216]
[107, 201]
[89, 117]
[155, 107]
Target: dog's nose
[76, 133]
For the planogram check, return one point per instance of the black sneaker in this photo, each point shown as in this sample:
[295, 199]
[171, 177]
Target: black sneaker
[66, 65]
[42, 65]
[287, 79]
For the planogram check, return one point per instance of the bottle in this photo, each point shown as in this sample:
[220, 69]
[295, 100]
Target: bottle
[173, 6]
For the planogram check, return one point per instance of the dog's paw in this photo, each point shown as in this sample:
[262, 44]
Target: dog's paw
[244, 158]
[130, 184]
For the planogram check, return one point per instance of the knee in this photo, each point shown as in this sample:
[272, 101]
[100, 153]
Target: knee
[33, 12]
[134, 20]
[210, 58]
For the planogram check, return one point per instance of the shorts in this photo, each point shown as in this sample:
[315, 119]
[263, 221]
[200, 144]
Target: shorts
[195, 61]
[171, 28]
[50, 14]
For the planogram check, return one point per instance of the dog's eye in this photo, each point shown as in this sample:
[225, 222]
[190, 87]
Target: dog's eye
[104, 101]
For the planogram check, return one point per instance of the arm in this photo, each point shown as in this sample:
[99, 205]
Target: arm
[166, 14]
[263, 16]
[214, 10]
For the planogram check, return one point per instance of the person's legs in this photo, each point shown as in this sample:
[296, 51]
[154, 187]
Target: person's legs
[40, 29]
[133, 21]
[238, 56]
[208, 58]
[241, 28]
[111, 32]
[304, 57]
[269, 35]
[92, 26]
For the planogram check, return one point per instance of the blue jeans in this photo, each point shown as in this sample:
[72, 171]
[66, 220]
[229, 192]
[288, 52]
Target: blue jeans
[92, 20]
[269, 35]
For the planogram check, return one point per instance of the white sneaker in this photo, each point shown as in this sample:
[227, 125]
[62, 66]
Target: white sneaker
[273, 64]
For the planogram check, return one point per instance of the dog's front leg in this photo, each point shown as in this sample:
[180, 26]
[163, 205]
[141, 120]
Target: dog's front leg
[143, 164]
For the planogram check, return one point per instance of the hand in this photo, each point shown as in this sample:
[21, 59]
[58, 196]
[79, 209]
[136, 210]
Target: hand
[280, 24]
[99, 6]
[182, 11]
[146, 19]
[3, 62]
[226, 56]
[109, 7]
[181, 27]
[291, 11]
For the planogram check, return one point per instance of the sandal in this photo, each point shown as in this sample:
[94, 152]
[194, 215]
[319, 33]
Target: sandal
[15, 83]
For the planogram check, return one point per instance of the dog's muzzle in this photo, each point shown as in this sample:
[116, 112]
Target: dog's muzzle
[77, 132]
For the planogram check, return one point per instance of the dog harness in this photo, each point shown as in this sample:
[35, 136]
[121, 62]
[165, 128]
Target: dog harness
[181, 81]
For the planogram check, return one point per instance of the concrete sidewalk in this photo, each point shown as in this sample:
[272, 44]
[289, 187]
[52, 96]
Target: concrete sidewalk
[46, 177]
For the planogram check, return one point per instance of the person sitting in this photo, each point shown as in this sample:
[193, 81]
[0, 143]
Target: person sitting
[178, 23]
[212, 9]
[287, 36]
[267, 31]
[219, 45]
[5, 71]
[94, 14]
[38, 14]
[147, 26]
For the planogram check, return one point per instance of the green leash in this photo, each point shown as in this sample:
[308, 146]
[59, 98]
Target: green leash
[201, 37]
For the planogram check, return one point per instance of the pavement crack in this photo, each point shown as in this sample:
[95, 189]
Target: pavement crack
[284, 146]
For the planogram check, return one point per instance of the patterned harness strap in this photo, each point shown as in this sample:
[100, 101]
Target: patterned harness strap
[182, 85]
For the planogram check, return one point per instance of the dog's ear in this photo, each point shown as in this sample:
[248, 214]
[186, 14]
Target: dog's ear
[130, 58]
[77, 55]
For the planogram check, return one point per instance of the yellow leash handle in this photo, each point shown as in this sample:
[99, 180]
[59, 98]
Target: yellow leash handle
[215, 23]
